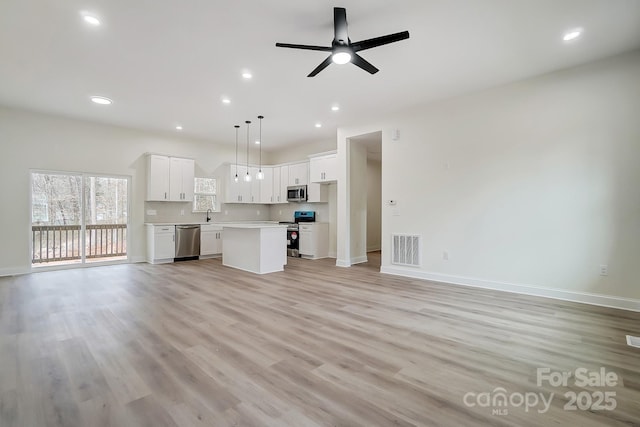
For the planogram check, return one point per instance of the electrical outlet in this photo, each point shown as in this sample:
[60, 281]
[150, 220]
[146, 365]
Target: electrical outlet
[280, 212]
[445, 256]
[226, 212]
[258, 212]
[604, 270]
[152, 212]
[181, 211]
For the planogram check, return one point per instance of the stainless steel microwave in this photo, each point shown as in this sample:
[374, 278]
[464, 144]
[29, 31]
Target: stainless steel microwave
[297, 193]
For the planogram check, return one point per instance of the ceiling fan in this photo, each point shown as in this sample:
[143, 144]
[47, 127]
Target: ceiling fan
[342, 49]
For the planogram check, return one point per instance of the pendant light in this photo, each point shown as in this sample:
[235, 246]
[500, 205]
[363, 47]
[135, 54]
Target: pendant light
[247, 177]
[260, 174]
[237, 127]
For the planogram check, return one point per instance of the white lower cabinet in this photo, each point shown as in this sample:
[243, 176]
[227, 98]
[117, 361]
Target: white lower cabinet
[210, 240]
[314, 240]
[161, 243]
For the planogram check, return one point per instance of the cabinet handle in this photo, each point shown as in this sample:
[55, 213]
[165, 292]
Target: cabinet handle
[165, 195]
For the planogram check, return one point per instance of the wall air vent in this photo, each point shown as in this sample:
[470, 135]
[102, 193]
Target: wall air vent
[405, 250]
[633, 341]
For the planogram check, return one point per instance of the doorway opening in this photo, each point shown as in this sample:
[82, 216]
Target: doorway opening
[366, 213]
[78, 218]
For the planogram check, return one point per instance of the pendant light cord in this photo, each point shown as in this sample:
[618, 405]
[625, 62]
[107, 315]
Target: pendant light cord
[260, 118]
[248, 122]
[237, 127]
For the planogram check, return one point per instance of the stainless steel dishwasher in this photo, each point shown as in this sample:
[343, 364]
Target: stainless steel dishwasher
[187, 242]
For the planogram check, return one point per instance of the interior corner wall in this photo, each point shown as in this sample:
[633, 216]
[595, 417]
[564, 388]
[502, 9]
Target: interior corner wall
[531, 184]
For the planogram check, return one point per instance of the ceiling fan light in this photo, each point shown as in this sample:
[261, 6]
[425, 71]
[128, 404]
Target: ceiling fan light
[341, 57]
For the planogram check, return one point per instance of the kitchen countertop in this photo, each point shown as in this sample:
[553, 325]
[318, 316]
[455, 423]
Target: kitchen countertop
[252, 225]
[218, 223]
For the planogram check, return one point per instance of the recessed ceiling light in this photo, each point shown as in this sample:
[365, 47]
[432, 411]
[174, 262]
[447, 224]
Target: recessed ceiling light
[101, 100]
[226, 101]
[90, 18]
[318, 125]
[335, 108]
[572, 34]
[247, 75]
[257, 142]
[178, 127]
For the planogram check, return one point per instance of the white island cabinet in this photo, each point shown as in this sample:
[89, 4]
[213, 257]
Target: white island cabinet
[257, 248]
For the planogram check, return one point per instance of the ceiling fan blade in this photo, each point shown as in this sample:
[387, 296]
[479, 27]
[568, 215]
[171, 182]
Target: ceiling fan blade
[320, 67]
[340, 32]
[379, 41]
[363, 63]
[304, 46]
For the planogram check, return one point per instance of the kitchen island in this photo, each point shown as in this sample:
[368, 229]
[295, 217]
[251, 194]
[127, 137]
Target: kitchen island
[255, 247]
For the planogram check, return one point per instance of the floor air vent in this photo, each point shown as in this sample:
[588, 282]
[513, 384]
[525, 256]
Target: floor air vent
[633, 341]
[405, 249]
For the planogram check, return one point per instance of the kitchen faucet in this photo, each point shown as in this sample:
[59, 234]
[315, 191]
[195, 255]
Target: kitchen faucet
[208, 217]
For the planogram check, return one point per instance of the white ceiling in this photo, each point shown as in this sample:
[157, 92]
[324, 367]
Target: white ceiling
[168, 62]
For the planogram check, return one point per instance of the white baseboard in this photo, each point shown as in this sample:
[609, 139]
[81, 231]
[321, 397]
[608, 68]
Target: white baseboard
[581, 297]
[137, 259]
[14, 271]
[374, 249]
[359, 260]
[333, 255]
[343, 263]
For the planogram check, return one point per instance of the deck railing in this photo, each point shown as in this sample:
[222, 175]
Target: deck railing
[52, 243]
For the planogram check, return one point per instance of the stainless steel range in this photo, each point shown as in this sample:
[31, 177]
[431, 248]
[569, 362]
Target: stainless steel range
[293, 234]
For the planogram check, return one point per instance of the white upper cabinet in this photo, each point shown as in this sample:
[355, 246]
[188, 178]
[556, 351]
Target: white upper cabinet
[169, 178]
[254, 186]
[157, 178]
[283, 184]
[323, 168]
[299, 173]
[181, 174]
[266, 185]
[237, 192]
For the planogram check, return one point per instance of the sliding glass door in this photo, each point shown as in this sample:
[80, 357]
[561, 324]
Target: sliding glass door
[78, 218]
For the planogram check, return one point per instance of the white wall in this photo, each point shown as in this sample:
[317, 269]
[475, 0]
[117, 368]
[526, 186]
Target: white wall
[533, 183]
[36, 141]
[374, 205]
[297, 152]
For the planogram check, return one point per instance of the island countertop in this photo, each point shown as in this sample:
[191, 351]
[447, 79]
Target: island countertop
[251, 225]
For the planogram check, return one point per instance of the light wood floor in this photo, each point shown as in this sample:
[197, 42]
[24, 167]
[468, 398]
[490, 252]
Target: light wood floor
[199, 344]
